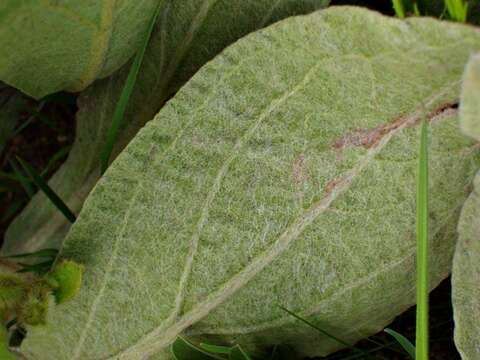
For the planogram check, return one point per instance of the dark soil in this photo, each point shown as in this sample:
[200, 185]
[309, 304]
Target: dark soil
[49, 132]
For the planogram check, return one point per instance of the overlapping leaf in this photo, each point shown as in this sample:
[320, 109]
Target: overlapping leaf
[49, 45]
[282, 174]
[466, 265]
[189, 33]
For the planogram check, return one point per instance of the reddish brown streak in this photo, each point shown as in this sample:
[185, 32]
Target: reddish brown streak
[369, 137]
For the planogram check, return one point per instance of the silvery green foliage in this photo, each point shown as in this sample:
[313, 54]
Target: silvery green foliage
[52, 45]
[470, 100]
[466, 264]
[188, 34]
[283, 173]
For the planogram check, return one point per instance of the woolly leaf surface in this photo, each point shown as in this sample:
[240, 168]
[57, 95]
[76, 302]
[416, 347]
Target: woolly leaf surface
[466, 264]
[52, 45]
[188, 34]
[283, 173]
[470, 104]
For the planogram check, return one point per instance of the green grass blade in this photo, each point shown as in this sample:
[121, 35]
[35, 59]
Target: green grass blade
[13, 177]
[422, 248]
[54, 198]
[122, 103]
[40, 269]
[12, 210]
[399, 8]
[403, 341]
[26, 184]
[29, 120]
[215, 349]
[457, 10]
[416, 10]
[327, 334]
[237, 353]
[182, 349]
[59, 155]
[48, 253]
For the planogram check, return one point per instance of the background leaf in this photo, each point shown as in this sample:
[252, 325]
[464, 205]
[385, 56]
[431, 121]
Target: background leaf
[66, 45]
[466, 263]
[470, 104]
[197, 31]
[282, 174]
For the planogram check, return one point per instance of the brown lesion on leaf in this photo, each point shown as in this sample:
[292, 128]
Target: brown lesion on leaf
[369, 137]
[331, 185]
[298, 171]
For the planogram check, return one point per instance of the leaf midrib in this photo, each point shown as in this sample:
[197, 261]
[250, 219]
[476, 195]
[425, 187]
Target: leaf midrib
[160, 337]
[322, 304]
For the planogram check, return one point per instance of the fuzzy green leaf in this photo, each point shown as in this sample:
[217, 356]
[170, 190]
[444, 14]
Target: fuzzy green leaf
[282, 174]
[470, 105]
[188, 34]
[66, 45]
[466, 263]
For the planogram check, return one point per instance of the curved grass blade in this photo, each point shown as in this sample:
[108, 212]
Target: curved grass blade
[12, 210]
[48, 253]
[54, 198]
[237, 353]
[39, 269]
[457, 10]
[215, 349]
[30, 119]
[122, 103]
[422, 248]
[325, 333]
[399, 8]
[403, 341]
[55, 159]
[26, 184]
[182, 349]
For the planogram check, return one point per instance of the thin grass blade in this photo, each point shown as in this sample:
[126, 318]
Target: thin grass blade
[26, 184]
[39, 269]
[11, 210]
[59, 155]
[215, 349]
[54, 198]
[403, 341]
[422, 248]
[457, 10]
[399, 8]
[30, 119]
[327, 334]
[182, 349]
[237, 353]
[48, 253]
[122, 103]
